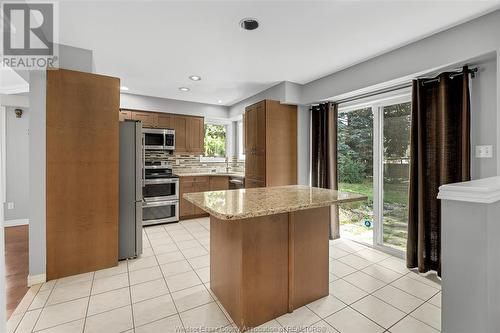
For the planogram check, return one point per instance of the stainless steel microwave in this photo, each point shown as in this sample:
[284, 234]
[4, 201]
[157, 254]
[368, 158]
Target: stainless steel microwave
[159, 139]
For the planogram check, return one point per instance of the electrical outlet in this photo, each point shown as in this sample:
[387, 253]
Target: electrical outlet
[484, 151]
[10, 205]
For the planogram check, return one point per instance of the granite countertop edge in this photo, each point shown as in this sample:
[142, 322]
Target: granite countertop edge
[266, 212]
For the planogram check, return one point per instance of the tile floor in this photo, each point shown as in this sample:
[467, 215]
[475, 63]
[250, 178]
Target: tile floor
[167, 290]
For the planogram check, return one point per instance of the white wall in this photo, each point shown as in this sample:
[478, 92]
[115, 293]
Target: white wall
[148, 103]
[17, 164]
[37, 250]
[477, 39]
[476, 42]
[484, 131]
[276, 92]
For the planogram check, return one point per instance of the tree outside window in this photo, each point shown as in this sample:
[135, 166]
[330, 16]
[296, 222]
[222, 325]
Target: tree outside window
[215, 140]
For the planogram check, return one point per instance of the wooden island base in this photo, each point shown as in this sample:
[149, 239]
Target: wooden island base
[264, 267]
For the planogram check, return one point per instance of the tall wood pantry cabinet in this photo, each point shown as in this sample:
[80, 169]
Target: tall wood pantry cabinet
[270, 144]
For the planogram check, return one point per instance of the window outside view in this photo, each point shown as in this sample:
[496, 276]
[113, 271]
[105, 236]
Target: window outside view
[215, 140]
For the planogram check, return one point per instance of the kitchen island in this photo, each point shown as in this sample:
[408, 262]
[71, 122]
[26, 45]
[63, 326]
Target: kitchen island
[268, 248]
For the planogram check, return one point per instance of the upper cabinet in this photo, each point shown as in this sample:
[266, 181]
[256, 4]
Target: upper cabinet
[148, 119]
[189, 130]
[270, 144]
[125, 115]
[164, 120]
[181, 131]
[196, 135]
[189, 134]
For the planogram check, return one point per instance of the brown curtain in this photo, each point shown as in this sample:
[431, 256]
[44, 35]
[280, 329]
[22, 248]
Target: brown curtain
[324, 154]
[440, 154]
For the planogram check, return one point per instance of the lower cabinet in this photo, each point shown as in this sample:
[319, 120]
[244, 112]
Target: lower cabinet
[253, 183]
[219, 183]
[190, 184]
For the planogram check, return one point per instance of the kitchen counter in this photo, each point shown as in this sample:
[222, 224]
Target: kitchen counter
[246, 203]
[222, 174]
[269, 248]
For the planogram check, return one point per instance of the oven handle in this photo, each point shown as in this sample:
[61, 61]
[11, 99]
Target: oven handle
[143, 159]
[161, 181]
[160, 203]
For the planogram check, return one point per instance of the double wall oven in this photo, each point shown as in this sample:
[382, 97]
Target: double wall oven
[161, 194]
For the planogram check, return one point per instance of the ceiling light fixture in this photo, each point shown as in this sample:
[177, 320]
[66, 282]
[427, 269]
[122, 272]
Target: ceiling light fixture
[123, 88]
[195, 78]
[249, 23]
[185, 89]
[219, 101]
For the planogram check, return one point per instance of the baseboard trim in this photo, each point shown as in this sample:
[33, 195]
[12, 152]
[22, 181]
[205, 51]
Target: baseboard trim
[36, 279]
[15, 223]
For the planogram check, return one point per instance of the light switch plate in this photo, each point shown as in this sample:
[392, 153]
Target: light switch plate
[10, 205]
[485, 151]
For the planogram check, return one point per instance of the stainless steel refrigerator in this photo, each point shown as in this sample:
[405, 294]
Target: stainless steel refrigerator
[131, 170]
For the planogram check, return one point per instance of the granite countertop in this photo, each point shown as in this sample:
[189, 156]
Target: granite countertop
[254, 202]
[208, 173]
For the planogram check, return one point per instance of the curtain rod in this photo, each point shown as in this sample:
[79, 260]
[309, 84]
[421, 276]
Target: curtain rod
[375, 93]
[471, 71]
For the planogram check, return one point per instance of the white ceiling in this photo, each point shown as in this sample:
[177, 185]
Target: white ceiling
[153, 46]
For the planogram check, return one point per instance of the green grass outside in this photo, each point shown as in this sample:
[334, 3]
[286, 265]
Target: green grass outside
[393, 192]
[395, 210]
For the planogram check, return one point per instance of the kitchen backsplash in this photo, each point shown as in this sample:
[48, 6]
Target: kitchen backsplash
[192, 163]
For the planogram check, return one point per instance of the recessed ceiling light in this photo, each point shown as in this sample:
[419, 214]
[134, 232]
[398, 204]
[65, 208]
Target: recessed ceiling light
[219, 101]
[195, 77]
[249, 23]
[184, 89]
[123, 88]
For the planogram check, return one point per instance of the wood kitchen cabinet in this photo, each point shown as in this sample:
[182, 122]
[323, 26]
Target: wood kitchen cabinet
[253, 183]
[189, 185]
[196, 135]
[189, 134]
[164, 120]
[125, 115]
[81, 228]
[181, 128]
[148, 119]
[219, 183]
[270, 144]
[189, 130]
[186, 186]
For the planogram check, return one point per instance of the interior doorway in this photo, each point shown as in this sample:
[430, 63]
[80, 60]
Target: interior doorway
[15, 196]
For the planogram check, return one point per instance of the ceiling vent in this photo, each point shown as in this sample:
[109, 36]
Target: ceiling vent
[249, 23]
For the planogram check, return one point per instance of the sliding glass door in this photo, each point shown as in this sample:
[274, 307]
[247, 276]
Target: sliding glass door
[374, 159]
[355, 167]
[396, 172]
